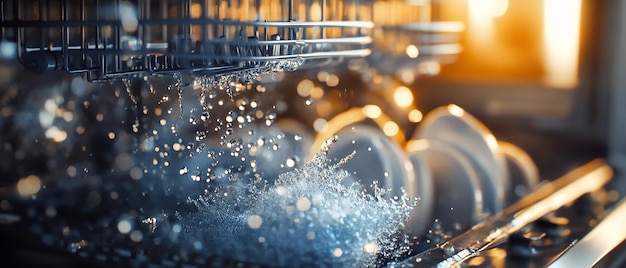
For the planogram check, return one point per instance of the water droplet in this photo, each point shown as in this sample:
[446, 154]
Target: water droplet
[337, 252]
[211, 154]
[136, 236]
[310, 202]
[205, 116]
[308, 101]
[310, 235]
[200, 135]
[200, 148]
[124, 226]
[270, 116]
[297, 137]
[212, 94]
[183, 171]
[127, 85]
[370, 247]
[193, 120]
[254, 221]
[291, 162]
[303, 204]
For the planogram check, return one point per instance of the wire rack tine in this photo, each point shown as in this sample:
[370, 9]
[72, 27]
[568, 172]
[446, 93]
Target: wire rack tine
[109, 39]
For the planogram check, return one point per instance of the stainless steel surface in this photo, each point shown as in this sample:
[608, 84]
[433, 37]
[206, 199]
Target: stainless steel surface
[547, 198]
[602, 240]
[615, 82]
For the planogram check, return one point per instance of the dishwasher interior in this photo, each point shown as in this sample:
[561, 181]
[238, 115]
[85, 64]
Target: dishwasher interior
[333, 133]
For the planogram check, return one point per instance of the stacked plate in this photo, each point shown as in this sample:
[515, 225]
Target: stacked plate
[453, 165]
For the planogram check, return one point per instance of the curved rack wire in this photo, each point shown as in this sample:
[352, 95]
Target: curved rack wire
[109, 39]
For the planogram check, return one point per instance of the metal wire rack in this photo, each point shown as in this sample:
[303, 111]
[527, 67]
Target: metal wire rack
[109, 39]
[416, 34]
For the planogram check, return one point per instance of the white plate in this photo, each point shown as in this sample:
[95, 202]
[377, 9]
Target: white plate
[523, 172]
[452, 125]
[377, 158]
[422, 214]
[456, 198]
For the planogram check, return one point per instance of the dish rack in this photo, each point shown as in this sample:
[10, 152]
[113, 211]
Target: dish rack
[415, 37]
[109, 39]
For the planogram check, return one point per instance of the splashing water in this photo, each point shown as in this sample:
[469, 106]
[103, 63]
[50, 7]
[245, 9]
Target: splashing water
[231, 82]
[178, 86]
[306, 217]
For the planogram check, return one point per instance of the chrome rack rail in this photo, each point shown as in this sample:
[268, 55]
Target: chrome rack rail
[109, 39]
[547, 198]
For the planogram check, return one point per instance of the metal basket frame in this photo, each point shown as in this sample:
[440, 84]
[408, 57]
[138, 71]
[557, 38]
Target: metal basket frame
[196, 36]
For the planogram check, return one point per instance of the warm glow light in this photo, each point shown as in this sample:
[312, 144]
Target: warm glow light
[50, 106]
[317, 93]
[372, 111]
[305, 87]
[403, 96]
[322, 76]
[407, 75]
[499, 7]
[370, 248]
[412, 51]
[320, 125]
[391, 128]
[57, 135]
[357, 114]
[430, 67]
[456, 110]
[324, 108]
[196, 10]
[332, 80]
[315, 10]
[481, 21]
[488, 8]
[480, 28]
[492, 142]
[561, 35]
[377, 79]
[417, 145]
[415, 116]
[28, 186]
